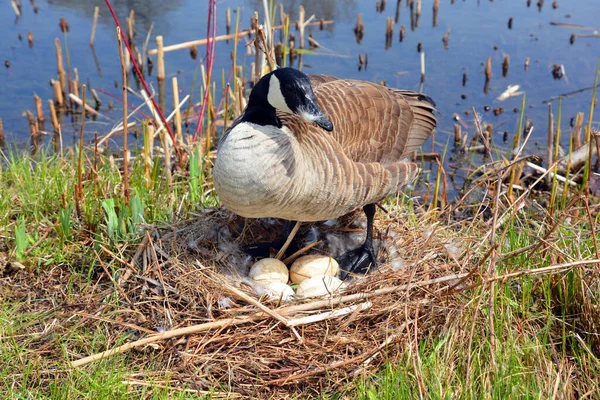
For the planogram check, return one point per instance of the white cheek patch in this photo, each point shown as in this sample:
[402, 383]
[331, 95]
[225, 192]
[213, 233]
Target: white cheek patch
[275, 97]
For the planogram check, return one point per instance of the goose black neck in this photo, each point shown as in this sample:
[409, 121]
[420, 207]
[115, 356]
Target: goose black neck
[259, 111]
[261, 114]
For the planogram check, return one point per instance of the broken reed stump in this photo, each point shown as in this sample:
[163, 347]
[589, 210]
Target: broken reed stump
[160, 58]
[577, 131]
[96, 98]
[53, 117]
[457, 134]
[488, 69]
[33, 128]
[363, 61]
[301, 25]
[17, 8]
[1, 133]
[39, 110]
[389, 32]
[359, 29]
[57, 93]
[417, 13]
[436, 8]
[130, 26]
[60, 67]
[177, 121]
[312, 43]
[228, 21]
[505, 65]
[74, 88]
[94, 24]
[402, 30]
[193, 52]
[445, 40]
[422, 66]
[488, 75]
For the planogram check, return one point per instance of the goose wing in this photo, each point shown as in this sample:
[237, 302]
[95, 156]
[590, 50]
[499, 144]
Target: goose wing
[372, 123]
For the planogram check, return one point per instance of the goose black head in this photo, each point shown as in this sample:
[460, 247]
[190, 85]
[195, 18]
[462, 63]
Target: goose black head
[289, 90]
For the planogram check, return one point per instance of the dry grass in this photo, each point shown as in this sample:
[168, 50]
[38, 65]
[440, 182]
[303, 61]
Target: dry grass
[173, 306]
[176, 279]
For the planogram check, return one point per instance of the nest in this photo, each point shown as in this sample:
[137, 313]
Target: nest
[223, 337]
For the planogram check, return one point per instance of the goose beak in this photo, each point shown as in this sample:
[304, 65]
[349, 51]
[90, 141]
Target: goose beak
[324, 123]
[315, 114]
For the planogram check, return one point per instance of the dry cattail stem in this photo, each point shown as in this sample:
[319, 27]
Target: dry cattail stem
[160, 59]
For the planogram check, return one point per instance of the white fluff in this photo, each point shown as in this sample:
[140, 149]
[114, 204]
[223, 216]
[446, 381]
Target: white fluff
[225, 302]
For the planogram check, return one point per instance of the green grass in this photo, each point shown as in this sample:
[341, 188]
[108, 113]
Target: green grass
[544, 326]
[536, 323]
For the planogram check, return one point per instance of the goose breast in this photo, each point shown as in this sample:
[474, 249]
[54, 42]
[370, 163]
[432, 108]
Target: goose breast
[301, 172]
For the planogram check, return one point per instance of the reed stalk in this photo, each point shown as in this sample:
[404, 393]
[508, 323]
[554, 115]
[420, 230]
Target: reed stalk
[438, 184]
[167, 149]
[94, 24]
[68, 59]
[57, 93]
[160, 63]
[39, 110]
[422, 66]
[488, 69]
[60, 67]
[286, 32]
[576, 139]
[226, 106]
[130, 25]
[550, 142]
[79, 187]
[516, 145]
[53, 118]
[210, 56]
[235, 46]
[33, 128]
[178, 129]
[568, 169]
[147, 149]
[142, 79]
[228, 20]
[125, 116]
[588, 134]
[555, 157]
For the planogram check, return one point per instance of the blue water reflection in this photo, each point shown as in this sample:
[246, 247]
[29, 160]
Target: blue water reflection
[477, 30]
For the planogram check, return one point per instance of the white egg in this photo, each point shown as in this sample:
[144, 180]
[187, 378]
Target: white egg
[279, 290]
[269, 270]
[313, 265]
[323, 285]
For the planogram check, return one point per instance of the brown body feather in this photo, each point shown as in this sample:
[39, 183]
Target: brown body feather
[308, 174]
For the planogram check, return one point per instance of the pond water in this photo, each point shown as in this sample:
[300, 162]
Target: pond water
[477, 30]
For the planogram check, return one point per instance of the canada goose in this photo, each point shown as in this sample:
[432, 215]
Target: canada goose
[319, 147]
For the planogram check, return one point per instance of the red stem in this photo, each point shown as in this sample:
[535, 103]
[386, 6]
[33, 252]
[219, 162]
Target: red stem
[141, 76]
[210, 56]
